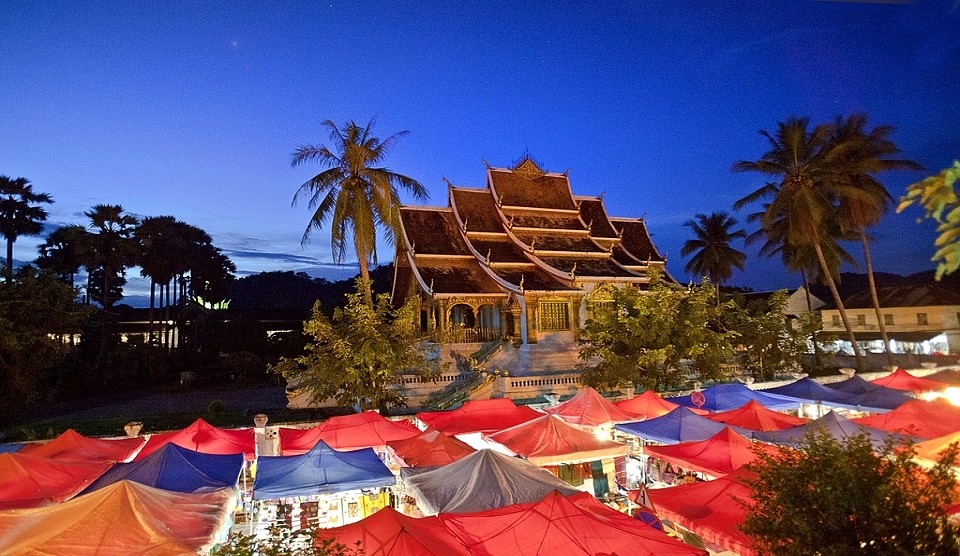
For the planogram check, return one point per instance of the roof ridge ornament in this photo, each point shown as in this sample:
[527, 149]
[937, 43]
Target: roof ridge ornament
[573, 271]
[528, 169]
[510, 223]
[465, 220]
[431, 286]
[489, 250]
[446, 181]
[522, 276]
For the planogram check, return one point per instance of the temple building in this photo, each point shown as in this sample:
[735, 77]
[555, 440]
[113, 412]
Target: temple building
[521, 259]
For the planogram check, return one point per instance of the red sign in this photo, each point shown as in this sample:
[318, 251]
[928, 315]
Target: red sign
[698, 399]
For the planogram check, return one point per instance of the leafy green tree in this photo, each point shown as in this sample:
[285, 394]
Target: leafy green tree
[800, 204]
[938, 198]
[20, 212]
[356, 356]
[766, 342]
[861, 199]
[284, 542]
[354, 194]
[656, 338]
[36, 312]
[713, 256]
[838, 498]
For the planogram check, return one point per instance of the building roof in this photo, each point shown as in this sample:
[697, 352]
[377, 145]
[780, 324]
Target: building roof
[636, 239]
[904, 296]
[524, 231]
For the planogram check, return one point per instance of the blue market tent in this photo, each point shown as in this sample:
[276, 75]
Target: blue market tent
[834, 424]
[322, 470]
[869, 396]
[680, 425]
[177, 469]
[811, 391]
[724, 397]
[10, 448]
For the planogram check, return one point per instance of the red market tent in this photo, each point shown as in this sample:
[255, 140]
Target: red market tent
[482, 416]
[347, 432]
[30, 482]
[902, 380]
[203, 437]
[123, 518]
[589, 409]
[73, 446]
[390, 533]
[548, 440]
[710, 509]
[918, 418]
[716, 456]
[429, 448]
[752, 415]
[557, 526]
[649, 405]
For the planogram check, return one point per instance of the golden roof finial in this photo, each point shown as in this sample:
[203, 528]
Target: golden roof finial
[521, 282]
[489, 250]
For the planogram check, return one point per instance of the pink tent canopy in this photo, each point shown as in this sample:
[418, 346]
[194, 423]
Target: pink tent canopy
[716, 456]
[754, 416]
[556, 525]
[429, 448]
[917, 418]
[479, 416]
[548, 440]
[930, 449]
[73, 446]
[390, 533]
[649, 405]
[710, 509]
[29, 482]
[589, 409]
[203, 437]
[123, 518]
[902, 380]
[347, 432]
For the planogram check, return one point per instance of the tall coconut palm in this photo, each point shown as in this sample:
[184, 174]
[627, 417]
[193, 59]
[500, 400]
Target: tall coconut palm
[861, 199]
[799, 160]
[354, 194]
[713, 256]
[20, 213]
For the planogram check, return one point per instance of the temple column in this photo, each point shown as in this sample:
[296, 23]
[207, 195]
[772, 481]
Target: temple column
[532, 325]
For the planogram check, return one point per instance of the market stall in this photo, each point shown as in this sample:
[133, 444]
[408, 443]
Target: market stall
[724, 397]
[203, 437]
[649, 405]
[756, 417]
[178, 470]
[349, 432]
[30, 482]
[589, 409]
[680, 425]
[429, 448]
[73, 446]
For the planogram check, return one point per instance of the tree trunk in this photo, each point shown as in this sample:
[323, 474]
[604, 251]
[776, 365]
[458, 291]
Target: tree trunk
[868, 261]
[861, 364]
[153, 289]
[364, 275]
[9, 268]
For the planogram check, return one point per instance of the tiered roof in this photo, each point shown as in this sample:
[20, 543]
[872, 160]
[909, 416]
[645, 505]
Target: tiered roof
[525, 231]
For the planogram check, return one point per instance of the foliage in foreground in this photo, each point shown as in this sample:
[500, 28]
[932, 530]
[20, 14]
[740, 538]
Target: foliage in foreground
[765, 343]
[836, 498]
[284, 542]
[655, 339]
[937, 196]
[356, 356]
[35, 311]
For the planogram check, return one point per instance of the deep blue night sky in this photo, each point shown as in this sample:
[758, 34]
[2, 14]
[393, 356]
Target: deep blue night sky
[192, 109]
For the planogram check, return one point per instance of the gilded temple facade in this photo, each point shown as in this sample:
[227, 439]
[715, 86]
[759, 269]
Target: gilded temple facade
[521, 259]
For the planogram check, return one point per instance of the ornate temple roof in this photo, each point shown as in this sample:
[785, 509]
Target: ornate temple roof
[525, 231]
[636, 239]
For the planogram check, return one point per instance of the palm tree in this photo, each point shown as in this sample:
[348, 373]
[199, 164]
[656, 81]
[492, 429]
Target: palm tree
[155, 236]
[354, 194]
[861, 199]
[713, 256]
[112, 248]
[62, 252]
[20, 213]
[801, 201]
